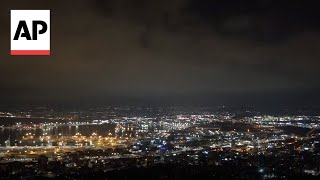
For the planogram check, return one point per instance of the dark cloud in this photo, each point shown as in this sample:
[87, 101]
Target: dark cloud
[143, 48]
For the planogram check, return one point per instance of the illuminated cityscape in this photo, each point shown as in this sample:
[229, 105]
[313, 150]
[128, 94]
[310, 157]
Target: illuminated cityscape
[117, 138]
[159, 89]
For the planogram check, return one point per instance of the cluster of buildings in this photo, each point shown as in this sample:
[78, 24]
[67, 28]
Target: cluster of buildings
[105, 140]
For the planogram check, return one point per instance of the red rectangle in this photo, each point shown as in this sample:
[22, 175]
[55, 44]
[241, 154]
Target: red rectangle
[30, 52]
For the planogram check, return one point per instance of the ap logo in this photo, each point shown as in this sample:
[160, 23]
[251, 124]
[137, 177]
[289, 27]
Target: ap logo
[30, 32]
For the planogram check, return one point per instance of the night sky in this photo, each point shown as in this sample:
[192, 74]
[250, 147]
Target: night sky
[221, 51]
